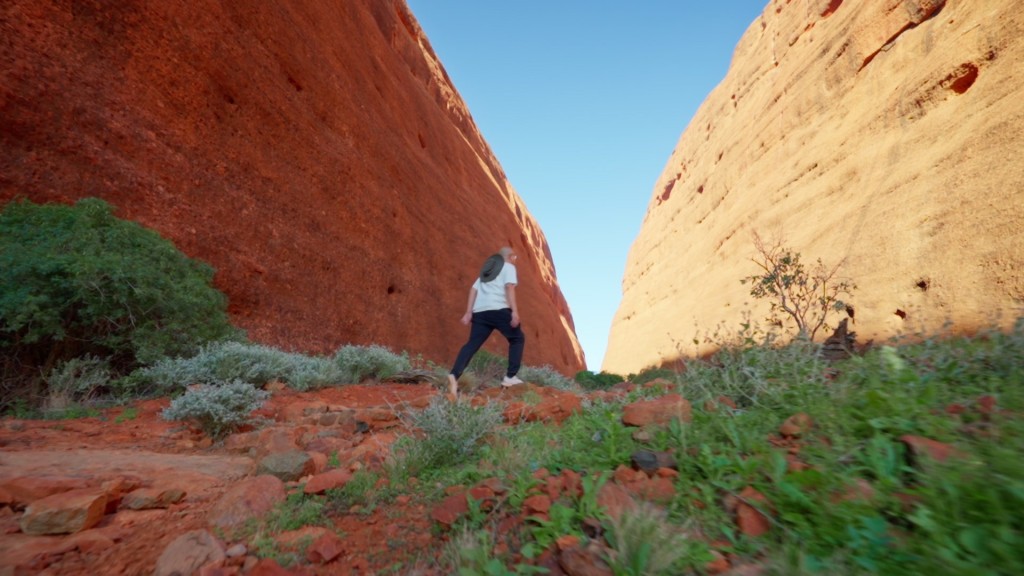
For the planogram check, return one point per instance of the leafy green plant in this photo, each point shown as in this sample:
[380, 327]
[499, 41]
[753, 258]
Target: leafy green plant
[805, 296]
[361, 492]
[216, 408]
[562, 520]
[600, 381]
[297, 511]
[653, 373]
[129, 413]
[77, 280]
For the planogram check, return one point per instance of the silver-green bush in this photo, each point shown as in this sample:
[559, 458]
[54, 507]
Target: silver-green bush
[449, 433]
[252, 363]
[216, 408]
[547, 376]
[78, 378]
[357, 363]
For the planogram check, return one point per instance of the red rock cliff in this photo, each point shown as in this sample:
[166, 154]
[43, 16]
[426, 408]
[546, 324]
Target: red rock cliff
[315, 153]
[888, 133]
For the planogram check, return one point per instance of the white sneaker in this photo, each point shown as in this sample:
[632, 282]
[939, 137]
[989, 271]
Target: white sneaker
[510, 381]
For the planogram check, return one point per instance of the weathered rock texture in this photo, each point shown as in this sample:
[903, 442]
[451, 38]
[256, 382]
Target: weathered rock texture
[315, 153]
[887, 133]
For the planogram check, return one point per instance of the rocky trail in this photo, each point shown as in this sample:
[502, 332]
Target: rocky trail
[131, 493]
[157, 480]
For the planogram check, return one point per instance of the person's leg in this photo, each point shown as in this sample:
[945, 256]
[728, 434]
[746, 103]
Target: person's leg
[516, 343]
[479, 330]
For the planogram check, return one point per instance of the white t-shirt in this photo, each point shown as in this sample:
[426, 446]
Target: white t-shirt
[491, 295]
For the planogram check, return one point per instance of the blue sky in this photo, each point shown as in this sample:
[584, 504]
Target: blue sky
[582, 102]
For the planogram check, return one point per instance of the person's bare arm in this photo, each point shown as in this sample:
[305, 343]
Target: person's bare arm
[469, 307]
[510, 295]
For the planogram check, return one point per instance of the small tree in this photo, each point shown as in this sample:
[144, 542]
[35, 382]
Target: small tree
[76, 280]
[807, 296]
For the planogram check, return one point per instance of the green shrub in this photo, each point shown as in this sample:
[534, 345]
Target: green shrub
[600, 381]
[806, 297]
[78, 280]
[357, 363]
[650, 374]
[449, 434]
[216, 408]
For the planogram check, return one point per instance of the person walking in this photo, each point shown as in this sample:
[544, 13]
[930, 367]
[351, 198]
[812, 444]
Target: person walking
[492, 306]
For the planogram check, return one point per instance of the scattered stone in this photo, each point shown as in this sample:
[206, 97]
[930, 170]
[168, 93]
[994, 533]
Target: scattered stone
[236, 551]
[150, 498]
[288, 466]
[650, 461]
[615, 500]
[329, 480]
[659, 489]
[718, 564]
[64, 513]
[567, 541]
[24, 490]
[987, 406]
[749, 519]
[860, 490]
[188, 553]
[584, 561]
[657, 411]
[920, 446]
[796, 426]
[250, 498]
[299, 412]
[300, 539]
[325, 549]
[539, 504]
[642, 436]
[453, 507]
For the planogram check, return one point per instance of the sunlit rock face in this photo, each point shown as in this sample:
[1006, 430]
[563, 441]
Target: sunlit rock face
[889, 134]
[315, 153]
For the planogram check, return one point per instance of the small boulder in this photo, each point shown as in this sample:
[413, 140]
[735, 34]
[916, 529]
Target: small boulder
[288, 466]
[64, 513]
[657, 411]
[151, 498]
[650, 461]
[250, 498]
[188, 553]
[796, 426]
[329, 480]
[750, 520]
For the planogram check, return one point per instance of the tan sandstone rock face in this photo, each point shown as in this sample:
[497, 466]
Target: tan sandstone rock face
[315, 153]
[887, 133]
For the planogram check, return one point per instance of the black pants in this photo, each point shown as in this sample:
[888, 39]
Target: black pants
[480, 329]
